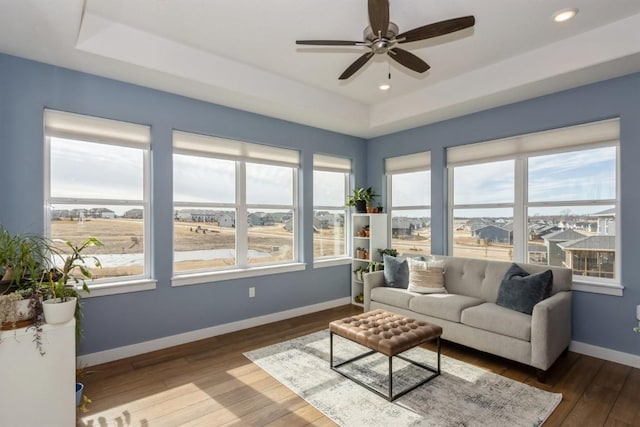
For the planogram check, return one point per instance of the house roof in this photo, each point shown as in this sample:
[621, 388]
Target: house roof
[242, 53]
[606, 212]
[563, 236]
[591, 243]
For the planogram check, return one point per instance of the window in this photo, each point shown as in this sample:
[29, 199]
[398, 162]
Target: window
[98, 187]
[548, 198]
[330, 215]
[409, 201]
[235, 204]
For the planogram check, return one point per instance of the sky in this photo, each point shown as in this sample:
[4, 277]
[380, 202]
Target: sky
[82, 169]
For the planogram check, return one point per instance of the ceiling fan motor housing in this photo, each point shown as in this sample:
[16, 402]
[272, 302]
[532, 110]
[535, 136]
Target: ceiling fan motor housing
[381, 45]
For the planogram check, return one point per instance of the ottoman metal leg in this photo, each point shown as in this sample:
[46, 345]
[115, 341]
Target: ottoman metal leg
[389, 396]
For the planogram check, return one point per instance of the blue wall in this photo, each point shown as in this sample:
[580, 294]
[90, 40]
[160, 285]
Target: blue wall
[600, 320]
[27, 87]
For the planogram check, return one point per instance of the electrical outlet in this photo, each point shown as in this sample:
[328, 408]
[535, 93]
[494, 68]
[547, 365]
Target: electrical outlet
[252, 292]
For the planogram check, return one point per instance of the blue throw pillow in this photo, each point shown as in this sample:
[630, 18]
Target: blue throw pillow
[396, 272]
[520, 290]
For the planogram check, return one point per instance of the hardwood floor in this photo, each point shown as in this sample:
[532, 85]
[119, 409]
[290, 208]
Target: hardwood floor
[210, 383]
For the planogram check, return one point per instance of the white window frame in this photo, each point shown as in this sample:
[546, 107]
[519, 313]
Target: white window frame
[329, 163]
[417, 162]
[91, 129]
[520, 149]
[241, 153]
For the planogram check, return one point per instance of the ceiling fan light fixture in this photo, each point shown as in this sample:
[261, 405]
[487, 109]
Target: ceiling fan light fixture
[384, 86]
[565, 15]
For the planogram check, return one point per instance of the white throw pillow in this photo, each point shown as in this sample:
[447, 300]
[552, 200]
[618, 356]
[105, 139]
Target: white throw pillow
[426, 277]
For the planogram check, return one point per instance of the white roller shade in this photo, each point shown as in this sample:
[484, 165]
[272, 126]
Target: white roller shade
[331, 163]
[95, 129]
[556, 139]
[409, 163]
[234, 150]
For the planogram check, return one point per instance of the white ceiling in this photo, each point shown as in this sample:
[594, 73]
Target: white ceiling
[242, 53]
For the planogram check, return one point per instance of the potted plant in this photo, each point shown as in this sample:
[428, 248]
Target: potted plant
[388, 251]
[23, 259]
[60, 285]
[358, 199]
[370, 195]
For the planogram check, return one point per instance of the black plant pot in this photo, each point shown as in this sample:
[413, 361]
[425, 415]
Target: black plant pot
[361, 206]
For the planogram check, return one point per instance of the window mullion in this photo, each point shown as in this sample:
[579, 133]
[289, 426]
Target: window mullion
[242, 229]
[520, 239]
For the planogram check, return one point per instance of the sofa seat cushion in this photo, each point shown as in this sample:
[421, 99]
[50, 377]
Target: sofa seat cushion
[443, 306]
[501, 320]
[392, 296]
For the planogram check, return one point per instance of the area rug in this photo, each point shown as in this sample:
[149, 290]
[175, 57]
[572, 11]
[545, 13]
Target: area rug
[463, 395]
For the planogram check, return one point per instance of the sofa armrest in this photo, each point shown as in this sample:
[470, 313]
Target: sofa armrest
[550, 329]
[371, 280]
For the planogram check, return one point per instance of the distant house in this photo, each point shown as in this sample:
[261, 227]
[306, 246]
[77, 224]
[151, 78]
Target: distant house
[401, 226]
[592, 256]
[537, 254]
[606, 222]
[540, 232]
[225, 220]
[494, 233]
[134, 213]
[255, 218]
[326, 219]
[101, 213]
[78, 213]
[203, 215]
[183, 215]
[556, 255]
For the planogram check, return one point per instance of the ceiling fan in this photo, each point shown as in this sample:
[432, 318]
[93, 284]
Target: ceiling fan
[381, 36]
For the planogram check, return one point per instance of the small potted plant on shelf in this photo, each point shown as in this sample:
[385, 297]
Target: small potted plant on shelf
[358, 200]
[370, 195]
[362, 199]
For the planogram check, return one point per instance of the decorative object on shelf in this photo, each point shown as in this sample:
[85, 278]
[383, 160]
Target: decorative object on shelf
[363, 232]
[359, 298]
[359, 272]
[362, 199]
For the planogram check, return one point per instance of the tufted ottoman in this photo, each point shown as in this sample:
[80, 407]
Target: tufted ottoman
[389, 334]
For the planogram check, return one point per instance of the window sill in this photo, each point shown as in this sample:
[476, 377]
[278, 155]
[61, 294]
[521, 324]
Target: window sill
[598, 288]
[322, 263]
[199, 278]
[120, 287]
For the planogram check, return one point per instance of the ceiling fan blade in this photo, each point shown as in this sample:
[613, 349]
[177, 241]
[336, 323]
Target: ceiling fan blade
[329, 42]
[359, 63]
[408, 59]
[436, 29]
[379, 16]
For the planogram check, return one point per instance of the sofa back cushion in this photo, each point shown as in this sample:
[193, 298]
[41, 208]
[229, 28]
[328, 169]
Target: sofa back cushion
[481, 278]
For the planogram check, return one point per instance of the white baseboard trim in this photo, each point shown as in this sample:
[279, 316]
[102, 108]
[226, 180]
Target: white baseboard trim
[97, 358]
[628, 359]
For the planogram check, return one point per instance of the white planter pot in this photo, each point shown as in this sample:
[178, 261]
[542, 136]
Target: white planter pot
[56, 312]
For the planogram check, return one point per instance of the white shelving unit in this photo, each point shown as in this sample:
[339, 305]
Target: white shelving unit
[378, 238]
[38, 390]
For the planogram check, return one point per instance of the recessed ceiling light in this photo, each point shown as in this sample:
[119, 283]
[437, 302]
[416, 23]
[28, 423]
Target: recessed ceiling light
[384, 86]
[564, 15]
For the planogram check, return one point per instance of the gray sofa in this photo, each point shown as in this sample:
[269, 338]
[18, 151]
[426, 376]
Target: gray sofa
[469, 316]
